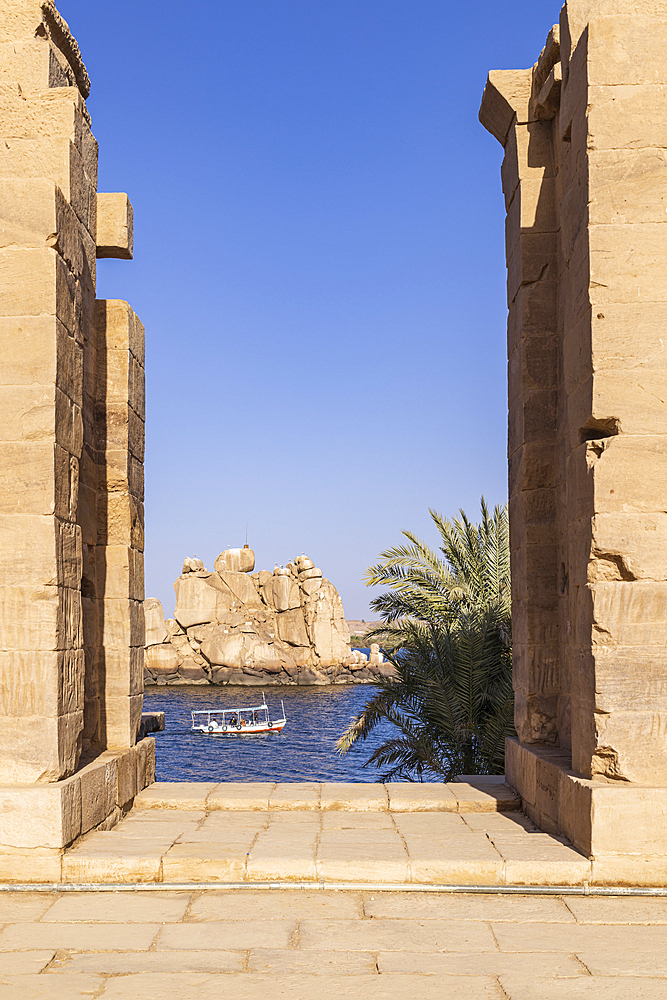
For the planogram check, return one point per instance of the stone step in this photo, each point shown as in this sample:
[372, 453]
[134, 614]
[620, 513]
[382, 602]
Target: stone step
[340, 844]
[474, 795]
[464, 833]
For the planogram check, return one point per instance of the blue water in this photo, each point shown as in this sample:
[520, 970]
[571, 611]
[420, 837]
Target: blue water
[304, 751]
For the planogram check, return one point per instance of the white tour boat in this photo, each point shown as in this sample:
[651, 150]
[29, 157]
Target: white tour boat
[238, 721]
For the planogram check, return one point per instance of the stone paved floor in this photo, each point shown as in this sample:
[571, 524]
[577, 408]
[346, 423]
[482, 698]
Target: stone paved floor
[453, 834]
[307, 943]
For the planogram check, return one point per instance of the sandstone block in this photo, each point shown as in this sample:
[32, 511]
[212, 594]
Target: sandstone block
[506, 96]
[632, 397]
[627, 186]
[533, 210]
[122, 720]
[28, 549]
[126, 777]
[123, 624]
[48, 355]
[121, 569]
[529, 153]
[623, 116]
[626, 49]
[123, 670]
[43, 816]
[238, 796]
[28, 63]
[99, 787]
[628, 475]
[176, 795]
[625, 749]
[137, 388]
[27, 478]
[358, 798]
[611, 244]
[29, 618]
[531, 262]
[115, 226]
[413, 797]
[51, 290]
[36, 214]
[45, 684]
[629, 613]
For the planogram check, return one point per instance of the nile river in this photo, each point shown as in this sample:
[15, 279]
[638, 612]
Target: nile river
[304, 751]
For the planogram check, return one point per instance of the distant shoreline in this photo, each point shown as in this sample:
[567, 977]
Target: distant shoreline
[358, 627]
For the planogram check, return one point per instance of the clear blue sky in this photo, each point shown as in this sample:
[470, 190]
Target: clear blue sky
[319, 264]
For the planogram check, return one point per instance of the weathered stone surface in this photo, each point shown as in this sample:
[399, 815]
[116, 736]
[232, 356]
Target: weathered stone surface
[162, 659]
[225, 651]
[326, 624]
[242, 589]
[588, 418]
[71, 621]
[115, 226]
[156, 631]
[381, 945]
[292, 628]
[281, 593]
[234, 627]
[235, 561]
[197, 599]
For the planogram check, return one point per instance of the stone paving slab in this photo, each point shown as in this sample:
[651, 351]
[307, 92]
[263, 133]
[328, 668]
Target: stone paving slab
[477, 964]
[70, 987]
[299, 944]
[397, 833]
[23, 962]
[601, 988]
[299, 987]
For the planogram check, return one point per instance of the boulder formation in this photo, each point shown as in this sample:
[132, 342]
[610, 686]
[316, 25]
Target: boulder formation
[236, 626]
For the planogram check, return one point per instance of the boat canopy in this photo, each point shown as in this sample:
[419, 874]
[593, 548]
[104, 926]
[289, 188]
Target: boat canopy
[232, 711]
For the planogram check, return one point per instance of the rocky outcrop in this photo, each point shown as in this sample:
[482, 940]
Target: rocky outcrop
[235, 626]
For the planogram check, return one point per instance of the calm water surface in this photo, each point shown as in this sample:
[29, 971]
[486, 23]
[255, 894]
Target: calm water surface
[304, 751]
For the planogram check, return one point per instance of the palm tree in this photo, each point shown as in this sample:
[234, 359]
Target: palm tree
[447, 629]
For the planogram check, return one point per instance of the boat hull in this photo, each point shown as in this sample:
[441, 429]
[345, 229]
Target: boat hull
[214, 730]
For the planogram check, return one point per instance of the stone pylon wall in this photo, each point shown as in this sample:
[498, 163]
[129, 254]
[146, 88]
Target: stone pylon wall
[585, 183]
[111, 519]
[71, 425]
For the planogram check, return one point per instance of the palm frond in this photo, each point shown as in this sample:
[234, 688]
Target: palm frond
[446, 626]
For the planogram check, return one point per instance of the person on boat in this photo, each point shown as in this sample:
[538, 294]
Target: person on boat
[243, 722]
[233, 720]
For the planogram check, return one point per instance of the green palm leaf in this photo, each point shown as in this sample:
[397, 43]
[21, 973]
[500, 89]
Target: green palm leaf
[446, 623]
